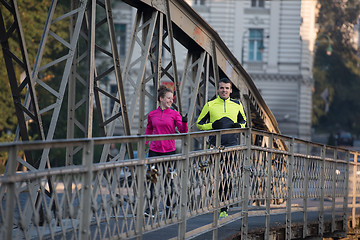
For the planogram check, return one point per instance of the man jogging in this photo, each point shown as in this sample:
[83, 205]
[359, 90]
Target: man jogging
[221, 113]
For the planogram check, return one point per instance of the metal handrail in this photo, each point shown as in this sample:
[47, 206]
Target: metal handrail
[115, 194]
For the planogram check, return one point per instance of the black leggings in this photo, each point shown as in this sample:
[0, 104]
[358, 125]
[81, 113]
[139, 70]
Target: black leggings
[152, 185]
[158, 154]
[225, 187]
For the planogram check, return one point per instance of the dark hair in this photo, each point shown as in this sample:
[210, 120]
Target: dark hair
[225, 80]
[162, 91]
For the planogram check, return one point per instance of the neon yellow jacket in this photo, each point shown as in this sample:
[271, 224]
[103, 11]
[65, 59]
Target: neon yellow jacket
[222, 110]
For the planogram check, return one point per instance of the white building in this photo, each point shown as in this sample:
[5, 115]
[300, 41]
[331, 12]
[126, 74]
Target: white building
[274, 42]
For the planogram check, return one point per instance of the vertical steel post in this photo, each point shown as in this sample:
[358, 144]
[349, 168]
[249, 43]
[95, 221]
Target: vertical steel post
[141, 127]
[184, 186]
[216, 190]
[71, 119]
[306, 184]
[291, 160]
[173, 56]
[204, 91]
[354, 193]
[140, 193]
[346, 193]
[215, 66]
[322, 191]
[10, 194]
[85, 204]
[333, 192]
[268, 187]
[91, 77]
[246, 186]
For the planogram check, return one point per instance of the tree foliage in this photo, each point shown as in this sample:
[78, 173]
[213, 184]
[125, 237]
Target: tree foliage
[338, 72]
[33, 16]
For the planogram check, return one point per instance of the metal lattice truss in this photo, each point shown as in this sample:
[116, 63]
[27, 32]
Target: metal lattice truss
[159, 26]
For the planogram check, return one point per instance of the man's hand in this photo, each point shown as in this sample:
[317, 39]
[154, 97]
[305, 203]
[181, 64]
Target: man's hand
[217, 124]
[223, 123]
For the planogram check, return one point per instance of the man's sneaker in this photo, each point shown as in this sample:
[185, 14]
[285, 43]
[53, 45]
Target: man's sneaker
[168, 212]
[223, 214]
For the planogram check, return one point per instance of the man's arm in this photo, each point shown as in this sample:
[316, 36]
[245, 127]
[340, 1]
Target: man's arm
[241, 118]
[203, 121]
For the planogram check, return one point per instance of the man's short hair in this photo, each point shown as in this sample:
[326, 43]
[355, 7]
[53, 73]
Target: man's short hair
[225, 80]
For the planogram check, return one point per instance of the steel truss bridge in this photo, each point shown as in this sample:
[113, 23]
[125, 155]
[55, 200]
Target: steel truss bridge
[106, 196]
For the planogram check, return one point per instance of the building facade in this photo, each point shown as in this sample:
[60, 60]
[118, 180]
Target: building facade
[274, 41]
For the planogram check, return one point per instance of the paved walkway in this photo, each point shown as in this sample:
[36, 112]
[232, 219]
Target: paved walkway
[256, 223]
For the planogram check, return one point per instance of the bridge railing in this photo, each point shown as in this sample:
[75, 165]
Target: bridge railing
[126, 198]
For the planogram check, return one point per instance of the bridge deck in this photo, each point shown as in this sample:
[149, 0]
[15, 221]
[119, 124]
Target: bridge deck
[256, 223]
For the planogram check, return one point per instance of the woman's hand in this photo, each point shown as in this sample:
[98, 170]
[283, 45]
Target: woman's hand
[184, 118]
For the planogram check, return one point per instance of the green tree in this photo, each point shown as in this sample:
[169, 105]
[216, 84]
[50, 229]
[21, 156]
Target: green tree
[338, 72]
[33, 15]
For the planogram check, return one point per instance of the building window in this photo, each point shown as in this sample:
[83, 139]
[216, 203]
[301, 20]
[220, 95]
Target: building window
[199, 3]
[120, 30]
[257, 3]
[256, 47]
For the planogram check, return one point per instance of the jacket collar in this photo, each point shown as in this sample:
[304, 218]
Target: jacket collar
[165, 110]
[223, 99]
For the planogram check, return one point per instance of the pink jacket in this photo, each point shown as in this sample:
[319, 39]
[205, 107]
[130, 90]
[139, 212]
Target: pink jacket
[164, 122]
